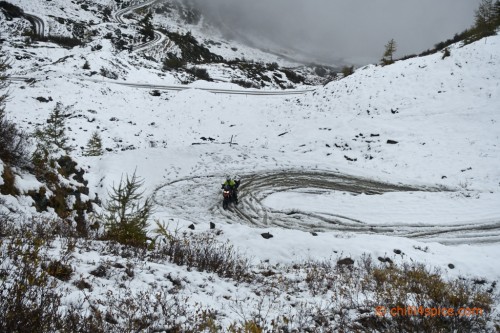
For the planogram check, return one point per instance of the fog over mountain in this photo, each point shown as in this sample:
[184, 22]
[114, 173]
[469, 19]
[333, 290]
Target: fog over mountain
[352, 31]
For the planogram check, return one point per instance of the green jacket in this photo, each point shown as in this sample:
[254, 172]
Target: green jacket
[230, 183]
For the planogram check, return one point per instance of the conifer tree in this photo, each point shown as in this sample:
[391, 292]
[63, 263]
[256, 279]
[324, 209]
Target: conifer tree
[485, 18]
[147, 27]
[52, 137]
[347, 70]
[94, 145]
[390, 49]
[126, 213]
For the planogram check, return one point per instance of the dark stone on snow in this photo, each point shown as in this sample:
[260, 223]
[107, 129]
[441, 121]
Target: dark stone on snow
[191, 226]
[386, 259]
[212, 225]
[109, 319]
[397, 251]
[268, 273]
[175, 281]
[451, 266]
[345, 261]
[43, 99]
[266, 235]
[392, 142]
[314, 234]
[99, 271]
[82, 284]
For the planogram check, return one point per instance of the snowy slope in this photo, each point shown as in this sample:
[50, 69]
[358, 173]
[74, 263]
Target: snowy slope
[441, 113]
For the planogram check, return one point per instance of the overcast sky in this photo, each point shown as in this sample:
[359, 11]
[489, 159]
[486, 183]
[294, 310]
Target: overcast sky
[353, 30]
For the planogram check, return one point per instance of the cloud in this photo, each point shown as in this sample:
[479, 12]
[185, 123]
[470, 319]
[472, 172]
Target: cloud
[352, 30]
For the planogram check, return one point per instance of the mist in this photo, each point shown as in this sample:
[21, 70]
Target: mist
[342, 31]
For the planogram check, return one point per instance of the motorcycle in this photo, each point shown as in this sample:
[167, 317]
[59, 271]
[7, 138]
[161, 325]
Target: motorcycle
[229, 195]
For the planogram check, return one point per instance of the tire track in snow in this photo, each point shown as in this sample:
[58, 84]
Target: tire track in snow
[256, 187]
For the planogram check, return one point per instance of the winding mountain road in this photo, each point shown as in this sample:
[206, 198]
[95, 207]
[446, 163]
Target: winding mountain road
[119, 14]
[185, 199]
[159, 38]
[212, 90]
[37, 22]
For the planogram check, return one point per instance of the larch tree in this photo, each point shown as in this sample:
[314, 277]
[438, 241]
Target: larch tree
[94, 145]
[390, 49]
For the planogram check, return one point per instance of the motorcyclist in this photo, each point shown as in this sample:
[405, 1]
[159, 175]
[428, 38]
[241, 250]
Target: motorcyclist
[233, 186]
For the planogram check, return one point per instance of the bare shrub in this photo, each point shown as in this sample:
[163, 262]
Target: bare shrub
[6, 221]
[416, 285]
[108, 73]
[29, 303]
[347, 70]
[203, 252]
[14, 143]
[199, 73]
[59, 270]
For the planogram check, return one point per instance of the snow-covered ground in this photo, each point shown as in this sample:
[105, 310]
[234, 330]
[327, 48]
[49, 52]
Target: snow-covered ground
[442, 165]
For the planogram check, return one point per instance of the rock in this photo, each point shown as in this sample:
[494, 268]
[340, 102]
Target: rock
[43, 99]
[266, 235]
[386, 259]
[314, 234]
[397, 251]
[191, 226]
[345, 261]
[451, 266]
[99, 271]
[212, 225]
[392, 142]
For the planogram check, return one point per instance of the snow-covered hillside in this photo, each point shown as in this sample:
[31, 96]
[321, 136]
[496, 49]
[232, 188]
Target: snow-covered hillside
[398, 162]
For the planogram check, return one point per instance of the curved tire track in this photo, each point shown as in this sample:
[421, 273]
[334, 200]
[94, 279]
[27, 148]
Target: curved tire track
[183, 196]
